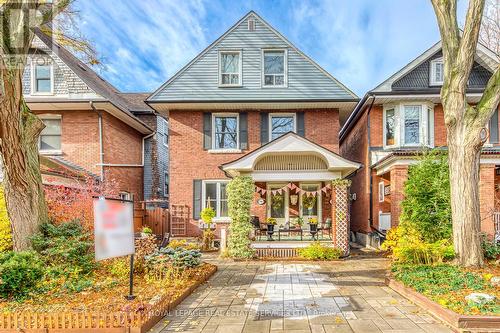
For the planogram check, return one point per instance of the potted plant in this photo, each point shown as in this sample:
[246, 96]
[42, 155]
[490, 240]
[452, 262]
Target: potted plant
[207, 215]
[299, 222]
[271, 222]
[313, 226]
[146, 231]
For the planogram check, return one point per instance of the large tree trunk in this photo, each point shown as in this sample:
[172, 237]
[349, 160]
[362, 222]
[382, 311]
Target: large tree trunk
[19, 131]
[464, 158]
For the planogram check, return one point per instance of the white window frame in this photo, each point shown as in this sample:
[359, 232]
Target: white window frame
[240, 67]
[165, 192]
[278, 115]
[165, 132]
[319, 201]
[381, 191]
[49, 151]
[432, 72]
[125, 195]
[396, 127]
[33, 78]
[426, 124]
[218, 182]
[285, 70]
[214, 148]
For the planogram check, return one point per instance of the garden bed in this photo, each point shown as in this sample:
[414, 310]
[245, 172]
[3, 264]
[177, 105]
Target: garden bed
[441, 290]
[102, 310]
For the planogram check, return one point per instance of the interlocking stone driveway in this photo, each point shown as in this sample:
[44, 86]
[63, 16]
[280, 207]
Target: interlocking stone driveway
[273, 296]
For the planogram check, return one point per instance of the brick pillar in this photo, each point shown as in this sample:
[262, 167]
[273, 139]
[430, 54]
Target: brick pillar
[340, 215]
[487, 197]
[399, 175]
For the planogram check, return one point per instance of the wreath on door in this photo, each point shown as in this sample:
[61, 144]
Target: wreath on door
[308, 202]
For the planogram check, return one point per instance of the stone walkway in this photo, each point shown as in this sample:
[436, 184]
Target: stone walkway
[272, 297]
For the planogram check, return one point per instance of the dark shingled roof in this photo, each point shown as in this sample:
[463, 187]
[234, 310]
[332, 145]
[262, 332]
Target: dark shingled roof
[90, 77]
[136, 102]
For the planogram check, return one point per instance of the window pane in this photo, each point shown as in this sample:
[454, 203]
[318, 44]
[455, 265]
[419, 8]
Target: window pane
[42, 72]
[274, 62]
[269, 80]
[50, 142]
[230, 62]
[438, 71]
[223, 201]
[429, 125]
[412, 123]
[278, 205]
[280, 126]
[52, 126]
[279, 80]
[389, 127]
[226, 132]
[43, 85]
[211, 196]
[309, 203]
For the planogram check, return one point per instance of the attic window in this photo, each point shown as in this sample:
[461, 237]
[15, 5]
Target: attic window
[230, 68]
[42, 78]
[251, 25]
[437, 72]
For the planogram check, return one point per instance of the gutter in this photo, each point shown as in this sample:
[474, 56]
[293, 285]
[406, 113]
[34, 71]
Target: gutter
[101, 147]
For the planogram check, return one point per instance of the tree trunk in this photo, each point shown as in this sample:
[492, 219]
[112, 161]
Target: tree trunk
[19, 131]
[464, 156]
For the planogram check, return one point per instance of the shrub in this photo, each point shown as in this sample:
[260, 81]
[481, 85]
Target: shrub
[491, 250]
[426, 205]
[5, 230]
[182, 243]
[19, 273]
[317, 251]
[144, 246]
[207, 214]
[66, 245]
[147, 231]
[169, 262]
[240, 193]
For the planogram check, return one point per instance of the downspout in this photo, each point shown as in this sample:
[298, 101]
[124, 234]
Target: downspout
[368, 129]
[101, 146]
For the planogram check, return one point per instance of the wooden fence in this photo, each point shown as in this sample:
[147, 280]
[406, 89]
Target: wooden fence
[153, 216]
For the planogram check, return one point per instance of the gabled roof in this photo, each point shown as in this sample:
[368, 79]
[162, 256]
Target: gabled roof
[290, 143]
[339, 91]
[484, 57]
[93, 81]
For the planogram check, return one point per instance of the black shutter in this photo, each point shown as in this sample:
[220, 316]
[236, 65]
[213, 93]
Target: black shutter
[301, 130]
[264, 127]
[494, 127]
[207, 130]
[196, 198]
[243, 130]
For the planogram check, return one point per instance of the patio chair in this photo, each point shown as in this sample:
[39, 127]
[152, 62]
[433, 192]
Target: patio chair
[327, 227]
[258, 228]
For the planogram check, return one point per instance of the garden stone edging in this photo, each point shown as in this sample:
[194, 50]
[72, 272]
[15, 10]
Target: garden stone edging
[456, 321]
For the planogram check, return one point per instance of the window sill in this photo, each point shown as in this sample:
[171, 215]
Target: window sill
[230, 86]
[224, 151]
[221, 220]
[50, 152]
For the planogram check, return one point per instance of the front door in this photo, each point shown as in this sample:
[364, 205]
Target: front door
[310, 205]
[277, 203]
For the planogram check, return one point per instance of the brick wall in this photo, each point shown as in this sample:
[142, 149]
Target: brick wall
[487, 197]
[189, 161]
[399, 175]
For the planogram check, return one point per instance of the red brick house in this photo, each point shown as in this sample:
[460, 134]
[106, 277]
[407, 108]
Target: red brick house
[392, 123]
[253, 104]
[92, 129]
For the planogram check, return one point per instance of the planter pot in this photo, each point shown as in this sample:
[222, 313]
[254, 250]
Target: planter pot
[270, 232]
[313, 229]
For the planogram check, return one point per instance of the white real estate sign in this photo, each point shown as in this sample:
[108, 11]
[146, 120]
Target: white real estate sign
[113, 228]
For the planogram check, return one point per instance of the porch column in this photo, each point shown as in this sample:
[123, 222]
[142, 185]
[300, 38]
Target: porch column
[340, 214]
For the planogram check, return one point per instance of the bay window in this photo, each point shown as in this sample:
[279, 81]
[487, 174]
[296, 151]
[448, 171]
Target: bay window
[408, 124]
[214, 195]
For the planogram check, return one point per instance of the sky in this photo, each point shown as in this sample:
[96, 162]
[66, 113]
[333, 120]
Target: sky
[142, 43]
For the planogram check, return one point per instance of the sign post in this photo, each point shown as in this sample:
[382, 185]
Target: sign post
[114, 232]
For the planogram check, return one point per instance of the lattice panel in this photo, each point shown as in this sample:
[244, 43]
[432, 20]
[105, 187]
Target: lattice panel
[342, 218]
[179, 218]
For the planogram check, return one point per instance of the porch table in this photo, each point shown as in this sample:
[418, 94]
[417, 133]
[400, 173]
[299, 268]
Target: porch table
[298, 230]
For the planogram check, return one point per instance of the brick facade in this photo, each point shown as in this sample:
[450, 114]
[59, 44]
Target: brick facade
[121, 143]
[189, 161]
[365, 140]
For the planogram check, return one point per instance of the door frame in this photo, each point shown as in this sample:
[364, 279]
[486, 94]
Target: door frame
[286, 193]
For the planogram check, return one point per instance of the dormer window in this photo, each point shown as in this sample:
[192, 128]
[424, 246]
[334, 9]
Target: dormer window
[274, 68]
[42, 77]
[437, 72]
[408, 124]
[230, 68]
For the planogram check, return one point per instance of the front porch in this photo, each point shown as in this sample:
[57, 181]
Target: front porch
[299, 193]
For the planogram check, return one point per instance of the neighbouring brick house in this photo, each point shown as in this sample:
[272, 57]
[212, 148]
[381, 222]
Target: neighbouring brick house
[252, 104]
[92, 129]
[392, 123]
